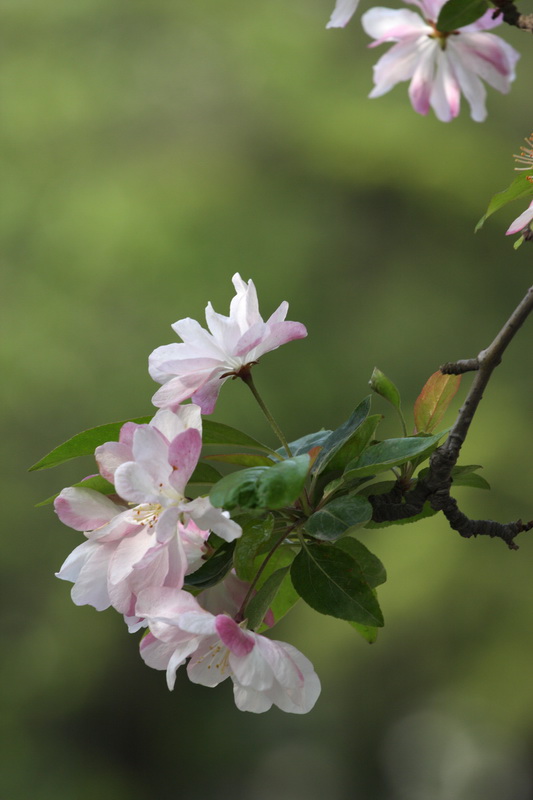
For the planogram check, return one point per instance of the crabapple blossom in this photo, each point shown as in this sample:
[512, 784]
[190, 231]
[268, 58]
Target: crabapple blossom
[342, 13]
[521, 222]
[198, 366]
[264, 672]
[440, 66]
[148, 534]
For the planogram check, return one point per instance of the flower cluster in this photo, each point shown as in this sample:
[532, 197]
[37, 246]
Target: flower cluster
[440, 64]
[145, 537]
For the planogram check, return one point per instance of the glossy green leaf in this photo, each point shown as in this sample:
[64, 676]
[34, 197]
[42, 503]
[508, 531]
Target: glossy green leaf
[380, 384]
[255, 532]
[214, 569]
[287, 595]
[262, 487]
[85, 443]
[306, 443]
[218, 433]
[457, 13]
[243, 459]
[371, 567]
[338, 517]
[341, 435]
[329, 580]
[356, 443]
[96, 483]
[471, 479]
[518, 189]
[263, 599]
[391, 453]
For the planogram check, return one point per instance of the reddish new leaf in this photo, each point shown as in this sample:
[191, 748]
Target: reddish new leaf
[433, 401]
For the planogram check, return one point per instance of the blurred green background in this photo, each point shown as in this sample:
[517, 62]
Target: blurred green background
[151, 150]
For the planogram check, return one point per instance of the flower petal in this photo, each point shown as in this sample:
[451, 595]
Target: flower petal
[342, 13]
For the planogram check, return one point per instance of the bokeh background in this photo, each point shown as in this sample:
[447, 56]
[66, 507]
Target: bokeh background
[151, 150]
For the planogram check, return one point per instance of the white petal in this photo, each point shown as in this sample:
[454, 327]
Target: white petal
[520, 222]
[342, 13]
[84, 509]
[389, 25]
[446, 94]
[213, 519]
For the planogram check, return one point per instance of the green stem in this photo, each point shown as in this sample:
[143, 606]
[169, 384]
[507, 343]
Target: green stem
[246, 375]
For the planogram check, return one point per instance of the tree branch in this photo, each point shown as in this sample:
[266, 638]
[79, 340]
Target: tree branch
[435, 486]
[512, 16]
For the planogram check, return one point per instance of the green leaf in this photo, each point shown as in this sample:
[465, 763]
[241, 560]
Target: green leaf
[243, 459]
[204, 474]
[457, 13]
[95, 482]
[85, 443]
[391, 453]
[366, 631]
[214, 569]
[519, 242]
[471, 479]
[287, 595]
[306, 443]
[356, 443]
[262, 487]
[434, 399]
[380, 384]
[329, 580]
[338, 517]
[255, 532]
[263, 599]
[371, 567]
[341, 435]
[217, 433]
[519, 188]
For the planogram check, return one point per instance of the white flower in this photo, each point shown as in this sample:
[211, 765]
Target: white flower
[264, 672]
[522, 222]
[439, 65]
[342, 13]
[198, 366]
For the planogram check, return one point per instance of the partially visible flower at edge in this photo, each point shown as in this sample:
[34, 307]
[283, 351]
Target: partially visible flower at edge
[439, 65]
[197, 367]
[342, 13]
[522, 223]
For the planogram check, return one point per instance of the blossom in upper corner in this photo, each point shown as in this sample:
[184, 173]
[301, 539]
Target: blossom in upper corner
[264, 672]
[342, 13]
[198, 366]
[439, 65]
[522, 224]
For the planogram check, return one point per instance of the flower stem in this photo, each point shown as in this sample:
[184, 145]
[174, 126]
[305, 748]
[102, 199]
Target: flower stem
[246, 375]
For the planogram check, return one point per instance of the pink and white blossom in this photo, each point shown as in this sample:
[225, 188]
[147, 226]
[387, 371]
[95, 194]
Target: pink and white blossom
[342, 13]
[523, 221]
[198, 366]
[264, 672]
[149, 534]
[440, 66]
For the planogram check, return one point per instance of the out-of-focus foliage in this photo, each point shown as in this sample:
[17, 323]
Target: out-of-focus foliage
[150, 151]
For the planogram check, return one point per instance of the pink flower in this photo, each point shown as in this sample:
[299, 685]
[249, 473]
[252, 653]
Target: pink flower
[264, 672]
[522, 222]
[150, 535]
[197, 367]
[439, 65]
[342, 13]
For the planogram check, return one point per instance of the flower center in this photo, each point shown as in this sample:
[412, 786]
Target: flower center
[440, 36]
[526, 154]
[146, 514]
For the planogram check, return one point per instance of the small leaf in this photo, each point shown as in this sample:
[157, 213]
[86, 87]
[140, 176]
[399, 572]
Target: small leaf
[373, 570]
[243, 459]
[341, 435]
[519, 188]
[306, 443]
[383, 386]
[338, 517]
[237, 490]
[434, 399]
[471, 479]
[356, 443]
[366, 631]
[287, 595]
[457, 13]
[329, 580]
[95, 482]
[391, 453]
[217, 433]
[214, 569]
[84, 443]
[263, 599]
[262, 487]
[255, 532]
